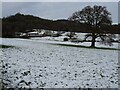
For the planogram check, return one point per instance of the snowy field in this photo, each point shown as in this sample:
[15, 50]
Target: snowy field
[38, 63]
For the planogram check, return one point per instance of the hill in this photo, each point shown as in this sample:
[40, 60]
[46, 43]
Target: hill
[21, 23]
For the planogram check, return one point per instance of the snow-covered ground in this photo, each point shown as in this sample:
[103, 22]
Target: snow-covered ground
[38, 63]
[59, 40]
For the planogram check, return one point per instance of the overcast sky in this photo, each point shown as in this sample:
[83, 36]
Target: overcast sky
[54, 10]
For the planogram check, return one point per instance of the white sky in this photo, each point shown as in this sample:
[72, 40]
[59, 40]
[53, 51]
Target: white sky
[55, 9]
[59, 0]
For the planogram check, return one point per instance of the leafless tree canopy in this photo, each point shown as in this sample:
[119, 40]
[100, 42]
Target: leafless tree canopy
[95, 17]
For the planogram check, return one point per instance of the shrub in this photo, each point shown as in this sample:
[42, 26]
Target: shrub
[65, 39]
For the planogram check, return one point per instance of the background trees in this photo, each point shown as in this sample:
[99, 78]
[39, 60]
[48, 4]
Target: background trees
[95, 17]
[21, 23]
[94, 20]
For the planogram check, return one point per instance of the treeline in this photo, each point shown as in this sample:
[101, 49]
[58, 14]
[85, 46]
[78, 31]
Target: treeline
[21, 23]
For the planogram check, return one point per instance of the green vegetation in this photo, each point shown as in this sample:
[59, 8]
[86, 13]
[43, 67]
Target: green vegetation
[80, 46]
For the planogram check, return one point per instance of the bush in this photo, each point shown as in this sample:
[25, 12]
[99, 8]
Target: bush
[65, 39]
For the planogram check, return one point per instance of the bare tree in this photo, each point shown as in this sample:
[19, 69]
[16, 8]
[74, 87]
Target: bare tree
[95, 17]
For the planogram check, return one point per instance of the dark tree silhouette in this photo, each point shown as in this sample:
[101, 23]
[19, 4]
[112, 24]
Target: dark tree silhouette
[95, 17]
[20, 23]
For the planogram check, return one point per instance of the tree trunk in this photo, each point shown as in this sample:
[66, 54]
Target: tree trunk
[70, 35]
[93, 40]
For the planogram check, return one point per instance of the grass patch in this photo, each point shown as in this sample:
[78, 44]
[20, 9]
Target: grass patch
[104, 48]
[5, 46]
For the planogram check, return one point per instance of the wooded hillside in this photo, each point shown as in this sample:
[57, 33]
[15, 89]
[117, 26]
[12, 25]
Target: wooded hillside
[21, 23]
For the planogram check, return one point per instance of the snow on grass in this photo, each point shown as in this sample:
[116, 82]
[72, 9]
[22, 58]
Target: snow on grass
[0, 40]
[79, 36]
[35, 63]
